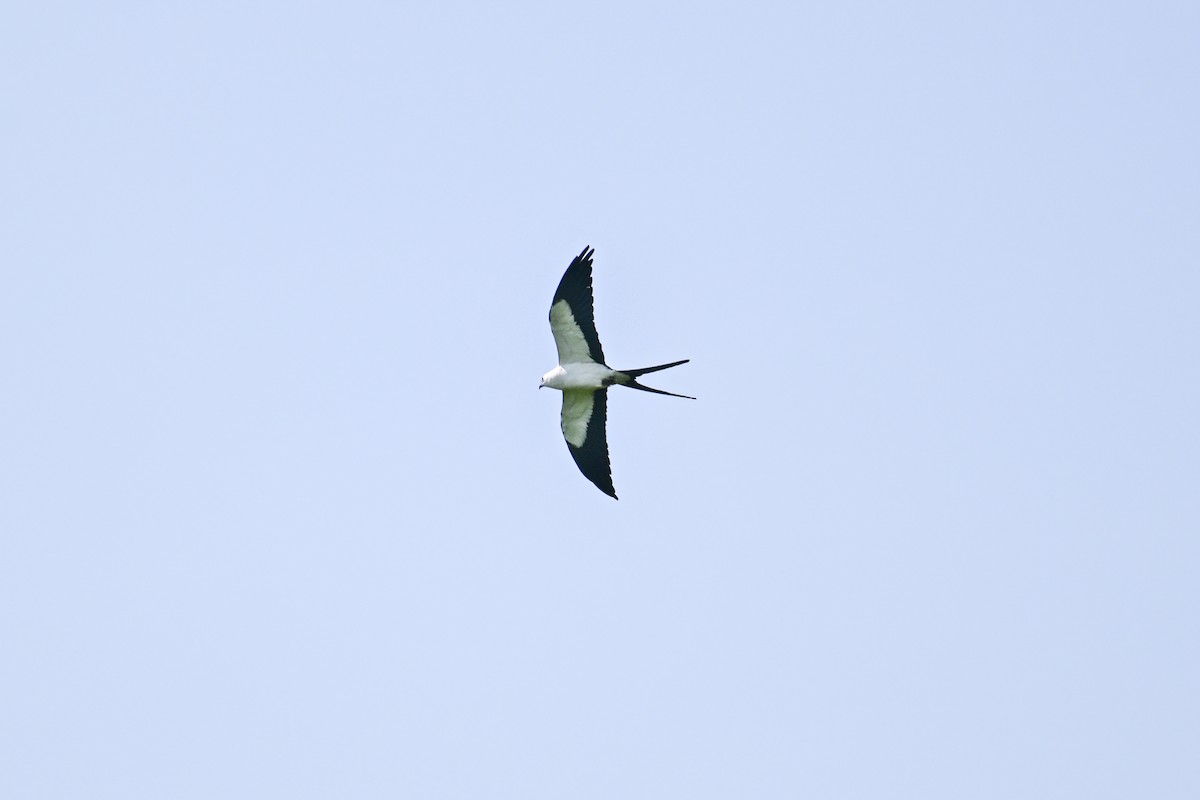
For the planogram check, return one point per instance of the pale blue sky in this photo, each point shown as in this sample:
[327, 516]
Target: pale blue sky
[284, 515]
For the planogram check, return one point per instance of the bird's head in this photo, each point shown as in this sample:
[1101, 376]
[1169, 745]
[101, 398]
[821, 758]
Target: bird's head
[549, 379]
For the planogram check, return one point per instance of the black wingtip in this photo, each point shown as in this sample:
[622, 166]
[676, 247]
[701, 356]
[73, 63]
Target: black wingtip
[602, 481]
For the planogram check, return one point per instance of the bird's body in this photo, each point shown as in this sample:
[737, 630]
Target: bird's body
[583, 377]
[580, 375]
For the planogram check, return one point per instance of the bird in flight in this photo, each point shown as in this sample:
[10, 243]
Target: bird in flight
[583, 377]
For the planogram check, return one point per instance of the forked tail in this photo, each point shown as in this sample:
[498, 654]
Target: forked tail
[628, 376]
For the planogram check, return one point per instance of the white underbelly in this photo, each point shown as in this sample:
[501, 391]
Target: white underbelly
[584, 376]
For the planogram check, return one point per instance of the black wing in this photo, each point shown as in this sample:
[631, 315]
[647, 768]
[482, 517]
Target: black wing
[584, 415]
[575, 289]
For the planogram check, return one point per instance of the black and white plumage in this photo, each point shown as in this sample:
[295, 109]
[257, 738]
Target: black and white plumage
[583, 377]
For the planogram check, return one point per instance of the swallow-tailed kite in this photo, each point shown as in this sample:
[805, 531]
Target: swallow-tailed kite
[582, 376]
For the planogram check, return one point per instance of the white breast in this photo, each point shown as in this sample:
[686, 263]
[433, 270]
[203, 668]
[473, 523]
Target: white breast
[579, 376]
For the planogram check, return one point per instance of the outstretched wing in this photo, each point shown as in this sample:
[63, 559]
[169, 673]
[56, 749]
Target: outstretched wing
[584, 413]
[571, 317]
